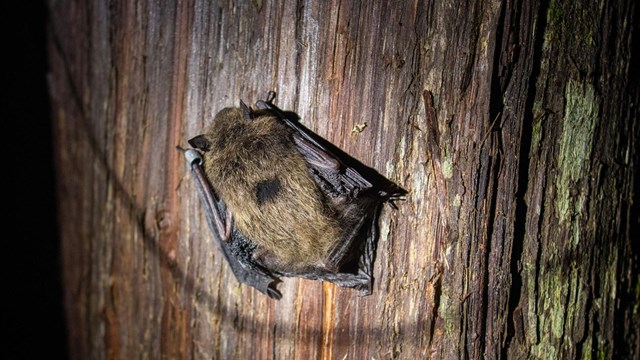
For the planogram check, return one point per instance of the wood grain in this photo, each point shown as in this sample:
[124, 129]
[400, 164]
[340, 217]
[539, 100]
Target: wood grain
[513, 125]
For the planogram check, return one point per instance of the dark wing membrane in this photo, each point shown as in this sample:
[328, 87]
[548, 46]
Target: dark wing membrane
[226, 236]
[331, 174]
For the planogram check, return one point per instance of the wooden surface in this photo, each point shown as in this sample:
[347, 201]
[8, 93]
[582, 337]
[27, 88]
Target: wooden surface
[513, 125]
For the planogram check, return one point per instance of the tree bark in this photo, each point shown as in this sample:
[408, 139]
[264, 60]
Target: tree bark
[512, 124]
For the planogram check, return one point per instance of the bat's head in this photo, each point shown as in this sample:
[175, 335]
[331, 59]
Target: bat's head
[227, 121]
[232, 124]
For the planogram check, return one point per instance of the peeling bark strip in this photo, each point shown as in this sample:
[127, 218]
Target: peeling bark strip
[514, 126]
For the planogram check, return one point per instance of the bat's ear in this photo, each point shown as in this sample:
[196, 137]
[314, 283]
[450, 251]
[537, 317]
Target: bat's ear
[199, 142]
[247, 113]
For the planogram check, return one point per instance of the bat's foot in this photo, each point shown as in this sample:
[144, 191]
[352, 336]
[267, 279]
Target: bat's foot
[367, 287]
[365, 292]
[361, 282]
[274, 293]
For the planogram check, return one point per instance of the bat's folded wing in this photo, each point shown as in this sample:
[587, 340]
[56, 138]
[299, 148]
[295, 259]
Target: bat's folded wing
[333, 177]
[219, 221]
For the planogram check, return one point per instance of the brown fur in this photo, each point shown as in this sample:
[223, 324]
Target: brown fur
[296, 224]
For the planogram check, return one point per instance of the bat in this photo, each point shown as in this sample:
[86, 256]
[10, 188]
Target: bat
[281, 201]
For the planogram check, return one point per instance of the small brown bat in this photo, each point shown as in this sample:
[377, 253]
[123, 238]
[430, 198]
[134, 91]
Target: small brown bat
[280, 202]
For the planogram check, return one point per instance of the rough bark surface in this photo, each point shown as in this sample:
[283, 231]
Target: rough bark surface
[512, 124]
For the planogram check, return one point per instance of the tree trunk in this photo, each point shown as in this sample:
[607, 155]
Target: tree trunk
[513, 125]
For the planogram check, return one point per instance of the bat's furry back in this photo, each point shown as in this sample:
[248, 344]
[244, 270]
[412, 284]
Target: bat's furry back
[253, 163]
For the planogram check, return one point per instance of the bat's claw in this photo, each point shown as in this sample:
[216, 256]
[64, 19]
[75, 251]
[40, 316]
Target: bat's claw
[274, 294]
[366, 288]
[271, 95]
[272, 291]
[391, 198]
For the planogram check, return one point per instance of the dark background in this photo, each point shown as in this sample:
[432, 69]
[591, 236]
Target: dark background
[33, 317]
